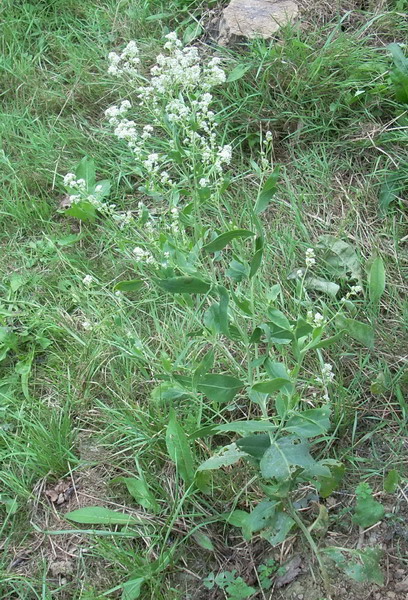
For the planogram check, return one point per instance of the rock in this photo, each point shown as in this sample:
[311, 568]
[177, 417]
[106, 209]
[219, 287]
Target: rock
[253, 18]
[402, 586]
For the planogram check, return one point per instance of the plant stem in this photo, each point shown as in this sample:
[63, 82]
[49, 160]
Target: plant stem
[312, 544]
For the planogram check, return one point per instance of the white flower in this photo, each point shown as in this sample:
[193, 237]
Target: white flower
[203, 182]
[310, 257]
[327, 374]
[268, 136]
[318, 319]
[87, 280]
[356, 289]
[68, 179]
[299, 273]
[86, 325]
[143, 255]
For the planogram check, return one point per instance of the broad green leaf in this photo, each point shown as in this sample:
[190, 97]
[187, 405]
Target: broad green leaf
[216, 316]
[238, 72]
[399, 75]
[341, 257]
[257, 258]
[282, 455]
[237, 271]
[367, 511]
[309, 423]
[83, 210]
[376, 280]
[225, 238]
[191, 33]
[260, 516]
[271, 386]
[254, 445]
[86, 170]
[327, 485]
[184, 285]
[203, 482]
[236, 518]
[139, 490]
[132, 285]
[361, 332]
[278, 318]
[205, 365]
[131, 589]
[279, 528]
[98, 515]
[277, 370]
[227, 456]
[268, 191]
[321, 524]
[325, 343]
[179, 449]
[10, 504]
[276, 334]
[244, 305]
[246, 427]
[391, 481]
[318, 284]
[104, 188]
[360, 565]
[389, 191]
[220, 388]
[203, 540]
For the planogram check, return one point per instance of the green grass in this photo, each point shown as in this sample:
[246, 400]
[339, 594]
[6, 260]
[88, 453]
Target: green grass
[94, 406]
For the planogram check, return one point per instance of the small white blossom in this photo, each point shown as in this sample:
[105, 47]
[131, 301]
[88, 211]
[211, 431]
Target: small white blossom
[86, 325]
[327, 374]
[318, 319]
[143, 255]
[87, 280]
[310, 257]
[203, 182]
[356, 289]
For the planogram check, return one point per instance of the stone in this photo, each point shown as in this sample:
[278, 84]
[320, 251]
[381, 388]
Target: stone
[255, 18]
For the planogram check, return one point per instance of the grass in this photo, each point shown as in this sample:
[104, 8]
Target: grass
[91, 405]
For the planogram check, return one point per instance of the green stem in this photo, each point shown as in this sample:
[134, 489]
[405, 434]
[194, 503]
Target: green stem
[312, 544]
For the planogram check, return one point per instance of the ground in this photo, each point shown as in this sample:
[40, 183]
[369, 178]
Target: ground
[89, 376]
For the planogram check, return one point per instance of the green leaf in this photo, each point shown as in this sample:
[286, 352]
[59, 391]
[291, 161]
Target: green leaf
[203, 540]
[191, 33]
[238, 72]
[260, 516]
[277, 370]
[98, 515]
[105, 187]
[376, 280]
[318, 284]
[257, 258]
[309, 423]
[83, 210]
[327, 485]
[227, 456]
[278, 318]
[254, 445]
[399, 75]
[279, 528]
[179, 449]
[341, 257]
[184, 285]
[389, 191]
[246, 427]
[271, 386]
[237, 271]
[205, 365]
[282, 455]
[361, 332]
[220, 388]
[216, 316]
[391, 481]
[367, 511]
[86, 170]
[360, 565]
[268, 191]
[225, 238]
[132, 285]
[139, 490]
[132, 588]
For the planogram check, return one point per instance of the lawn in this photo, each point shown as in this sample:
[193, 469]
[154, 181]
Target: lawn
[203, 313]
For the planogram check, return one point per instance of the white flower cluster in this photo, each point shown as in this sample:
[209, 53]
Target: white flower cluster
[310, 258]
[144, 256]
[355, 290]
[327, 374]
[177, 97]
[125, 63]
[317, 319]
